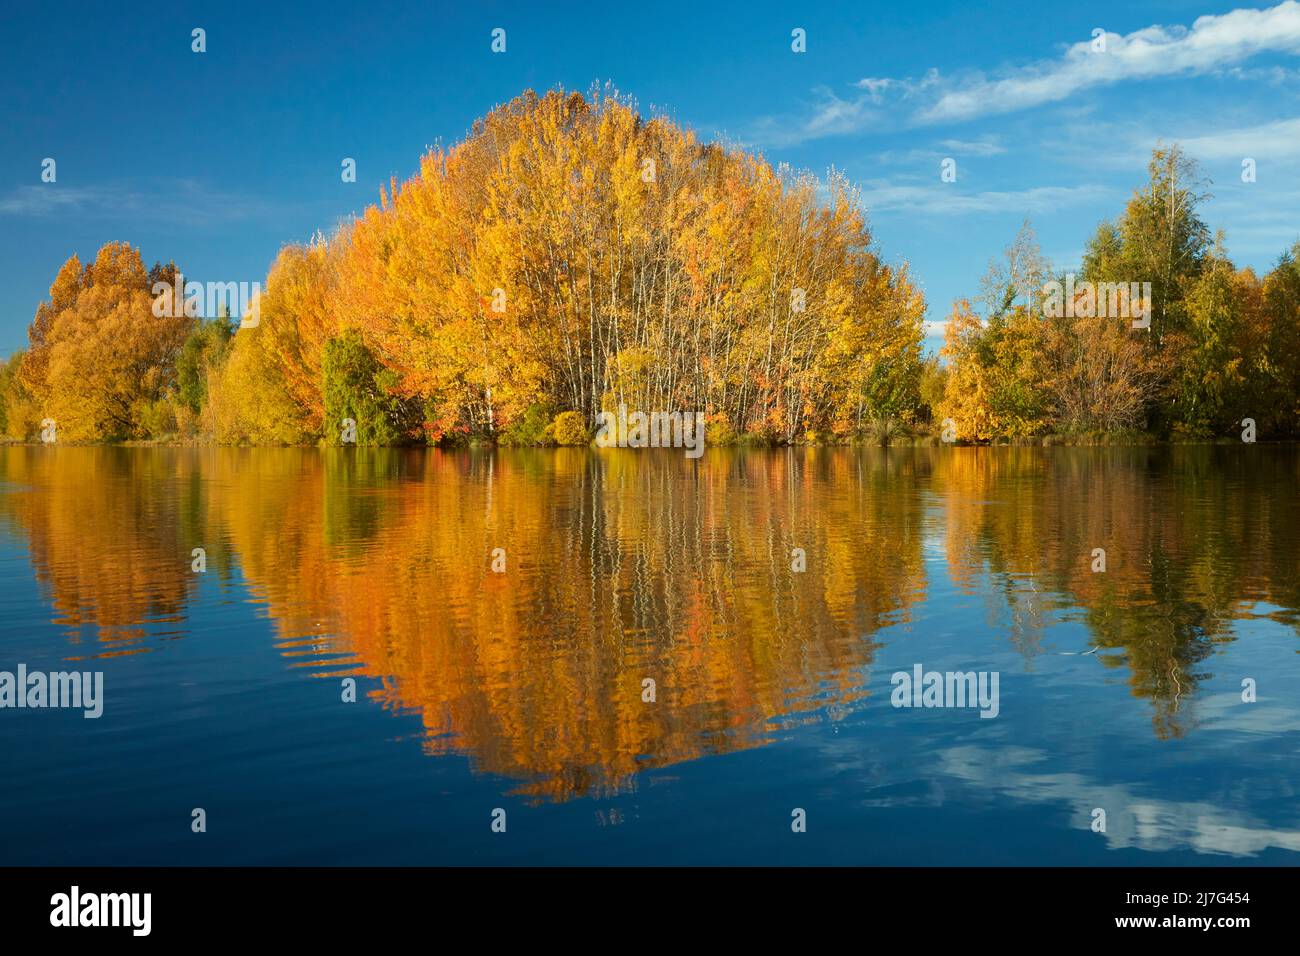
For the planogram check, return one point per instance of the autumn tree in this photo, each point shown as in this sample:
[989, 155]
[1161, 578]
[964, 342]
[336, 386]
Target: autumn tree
[1017, 279]
[1279, 398]
[100, 355]
[571, 253]
[16, 411]
[1220, 344]
[967, 399]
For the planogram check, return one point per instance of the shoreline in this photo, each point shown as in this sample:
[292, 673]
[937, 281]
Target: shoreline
[918, 441]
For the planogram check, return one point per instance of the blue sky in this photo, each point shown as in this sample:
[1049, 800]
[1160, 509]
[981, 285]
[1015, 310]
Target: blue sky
[216, 159]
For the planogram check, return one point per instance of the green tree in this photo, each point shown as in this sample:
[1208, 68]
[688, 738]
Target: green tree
[1163, 238]
[356, 385]
[204, 349]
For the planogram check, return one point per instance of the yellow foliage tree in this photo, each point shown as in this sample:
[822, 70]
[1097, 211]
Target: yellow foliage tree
[100, 354]
[573, 253]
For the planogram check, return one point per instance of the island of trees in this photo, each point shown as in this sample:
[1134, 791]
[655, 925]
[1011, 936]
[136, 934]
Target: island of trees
[569, 256]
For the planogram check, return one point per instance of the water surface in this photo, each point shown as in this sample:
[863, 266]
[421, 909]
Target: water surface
[524, 690]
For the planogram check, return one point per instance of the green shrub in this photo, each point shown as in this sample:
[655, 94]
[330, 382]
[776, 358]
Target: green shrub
[530, 429]
[156, 418]
[205, 348]
[356, 385]
[719, 431]
[570, 428]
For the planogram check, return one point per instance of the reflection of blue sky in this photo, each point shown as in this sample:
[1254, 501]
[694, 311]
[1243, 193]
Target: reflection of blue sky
[1072, 737]
[1132, 819]
[917, 787]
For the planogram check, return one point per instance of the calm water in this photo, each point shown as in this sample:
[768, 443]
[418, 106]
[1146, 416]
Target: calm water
[523, 690]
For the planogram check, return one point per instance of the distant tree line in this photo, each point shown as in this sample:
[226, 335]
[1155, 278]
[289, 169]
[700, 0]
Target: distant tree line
[1221, 343]
[570, 256]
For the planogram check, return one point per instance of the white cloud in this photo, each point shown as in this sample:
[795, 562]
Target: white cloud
[877, 87]
[1216, 45]
[1212, 43]
[1279, 140]
[984, 146]
[1273, 75]
[831, 116]
[947, 199]
[180, 201]
[930, 156]
[44, 200]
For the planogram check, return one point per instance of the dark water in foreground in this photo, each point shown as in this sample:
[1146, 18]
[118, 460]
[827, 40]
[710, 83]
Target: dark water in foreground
[523, 690]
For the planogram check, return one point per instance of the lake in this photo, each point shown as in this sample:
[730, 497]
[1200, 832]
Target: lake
[636, 657]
